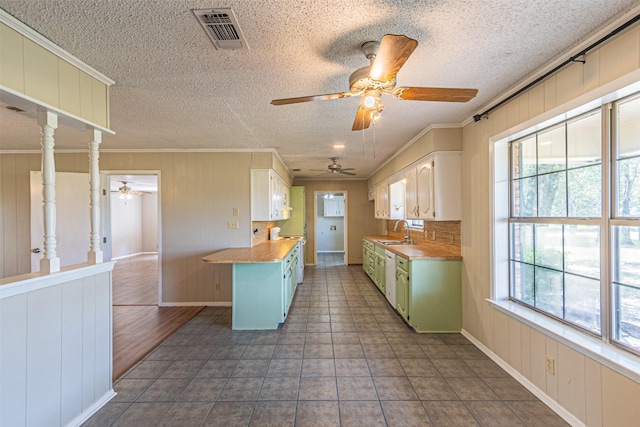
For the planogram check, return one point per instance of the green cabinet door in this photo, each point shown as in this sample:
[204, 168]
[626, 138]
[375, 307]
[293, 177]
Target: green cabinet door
[379, 274]
[402, 294]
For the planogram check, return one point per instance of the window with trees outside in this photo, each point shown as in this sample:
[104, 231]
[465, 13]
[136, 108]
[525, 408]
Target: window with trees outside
[574, 224]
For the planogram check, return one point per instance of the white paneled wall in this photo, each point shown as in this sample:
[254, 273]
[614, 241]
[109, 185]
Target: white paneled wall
[590, 392]
[55, 347]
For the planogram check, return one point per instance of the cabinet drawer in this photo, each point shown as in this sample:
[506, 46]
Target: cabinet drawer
[402, 263]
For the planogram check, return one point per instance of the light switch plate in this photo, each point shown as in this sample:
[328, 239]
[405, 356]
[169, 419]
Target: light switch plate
[233, 224]
[236, 211]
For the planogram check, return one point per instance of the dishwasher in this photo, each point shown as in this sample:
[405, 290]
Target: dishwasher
[390, 277]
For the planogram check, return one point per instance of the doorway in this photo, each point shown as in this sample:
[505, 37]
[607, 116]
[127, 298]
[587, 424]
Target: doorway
[330, 213]
[132, 238]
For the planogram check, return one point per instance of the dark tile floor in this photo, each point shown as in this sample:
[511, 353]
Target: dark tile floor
[342, 358]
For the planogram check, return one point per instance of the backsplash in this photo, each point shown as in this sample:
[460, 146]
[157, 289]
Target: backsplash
[444, 232]
[262, 234]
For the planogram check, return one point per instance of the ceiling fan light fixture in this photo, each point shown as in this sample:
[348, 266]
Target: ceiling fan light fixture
[371, 99]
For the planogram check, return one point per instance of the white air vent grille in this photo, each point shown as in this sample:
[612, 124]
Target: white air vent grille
[222, 28]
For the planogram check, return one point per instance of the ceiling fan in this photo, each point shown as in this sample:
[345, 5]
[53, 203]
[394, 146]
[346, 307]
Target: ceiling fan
[379, 77]
[334, 167]
[126, 192]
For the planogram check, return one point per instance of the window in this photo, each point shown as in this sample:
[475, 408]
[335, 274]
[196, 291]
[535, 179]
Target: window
[574, 229]
[416, 223]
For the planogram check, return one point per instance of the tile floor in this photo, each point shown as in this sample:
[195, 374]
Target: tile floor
[342, 358]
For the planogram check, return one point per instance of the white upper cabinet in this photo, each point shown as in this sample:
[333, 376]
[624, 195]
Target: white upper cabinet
[334, 206]
[269, 195]
[425, 190]
[381, 202]
[397, 199]
[433, 189]
[411, 194]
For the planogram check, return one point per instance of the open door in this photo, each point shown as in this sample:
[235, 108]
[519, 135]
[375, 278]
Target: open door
[72, 218]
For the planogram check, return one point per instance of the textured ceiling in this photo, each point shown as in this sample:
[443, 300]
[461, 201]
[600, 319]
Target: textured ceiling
[174, 90]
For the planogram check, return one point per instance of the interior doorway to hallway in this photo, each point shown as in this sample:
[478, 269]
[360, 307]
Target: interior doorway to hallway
[132, 238]
[330, 223]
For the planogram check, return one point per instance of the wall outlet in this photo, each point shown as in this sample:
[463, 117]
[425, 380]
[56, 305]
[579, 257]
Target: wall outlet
[216, 287]
[550, 364]
[233, 224]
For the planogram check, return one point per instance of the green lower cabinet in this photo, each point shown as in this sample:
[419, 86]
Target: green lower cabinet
[258, 301]
[368, 258]
[429, 295]
[402, 291]
[262, 293]
[379, 272]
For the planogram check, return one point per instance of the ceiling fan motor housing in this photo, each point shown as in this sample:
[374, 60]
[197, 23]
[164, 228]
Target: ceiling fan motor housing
[360, 82]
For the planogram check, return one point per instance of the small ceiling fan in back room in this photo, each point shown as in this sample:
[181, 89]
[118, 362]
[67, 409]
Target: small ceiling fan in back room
[379, 78]
[335, 168]
[127, 192]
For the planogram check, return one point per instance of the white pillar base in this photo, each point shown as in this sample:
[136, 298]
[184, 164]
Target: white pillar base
[94, 258]
[49, 265]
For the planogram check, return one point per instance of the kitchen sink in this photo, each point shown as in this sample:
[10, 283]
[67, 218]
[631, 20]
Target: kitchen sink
[395, 242]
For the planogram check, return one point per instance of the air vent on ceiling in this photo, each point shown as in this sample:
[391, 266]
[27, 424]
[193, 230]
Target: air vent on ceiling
[222, 28]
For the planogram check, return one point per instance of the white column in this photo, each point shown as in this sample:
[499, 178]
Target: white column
[95, 253]
[50, 263]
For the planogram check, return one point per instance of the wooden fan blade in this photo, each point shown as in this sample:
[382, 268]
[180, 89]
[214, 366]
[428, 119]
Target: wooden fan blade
[347, 169]
[286, 101]
[392, 54]
[442, 94]
[363, 119]
[347, 173]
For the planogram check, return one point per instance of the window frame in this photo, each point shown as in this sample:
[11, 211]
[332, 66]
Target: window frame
[561, 221]
[504, 218]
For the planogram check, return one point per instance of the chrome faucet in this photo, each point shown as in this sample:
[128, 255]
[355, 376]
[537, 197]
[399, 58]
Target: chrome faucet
[407, 235]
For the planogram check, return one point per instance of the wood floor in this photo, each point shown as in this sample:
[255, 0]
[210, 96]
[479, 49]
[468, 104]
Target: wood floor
[139, 325]
[135, 280]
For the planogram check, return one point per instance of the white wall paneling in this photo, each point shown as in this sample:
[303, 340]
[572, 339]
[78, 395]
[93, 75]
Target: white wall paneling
[55, 346]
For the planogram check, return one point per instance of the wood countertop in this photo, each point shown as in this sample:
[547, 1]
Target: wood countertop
[269, 251]
[425, 251]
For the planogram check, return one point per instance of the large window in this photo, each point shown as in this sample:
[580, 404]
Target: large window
[574, 219]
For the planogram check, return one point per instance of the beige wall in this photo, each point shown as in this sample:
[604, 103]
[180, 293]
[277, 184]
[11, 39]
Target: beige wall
[198, 192]
[435, 139]
[359, 221]
[593, 393]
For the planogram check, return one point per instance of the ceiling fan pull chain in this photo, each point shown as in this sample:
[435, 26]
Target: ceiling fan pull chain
[363, 135]
[374, 139]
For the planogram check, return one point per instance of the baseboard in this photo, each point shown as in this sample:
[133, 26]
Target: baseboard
[132, 255]
[91, 410]
[552, 404]
[196, 304]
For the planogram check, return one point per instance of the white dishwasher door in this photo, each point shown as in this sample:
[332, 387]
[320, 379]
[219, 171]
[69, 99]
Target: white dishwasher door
[390, 277]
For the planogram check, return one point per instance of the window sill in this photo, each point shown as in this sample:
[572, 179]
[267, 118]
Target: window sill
[615, 358]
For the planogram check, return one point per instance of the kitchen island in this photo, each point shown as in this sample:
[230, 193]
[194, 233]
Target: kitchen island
[264, 279]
